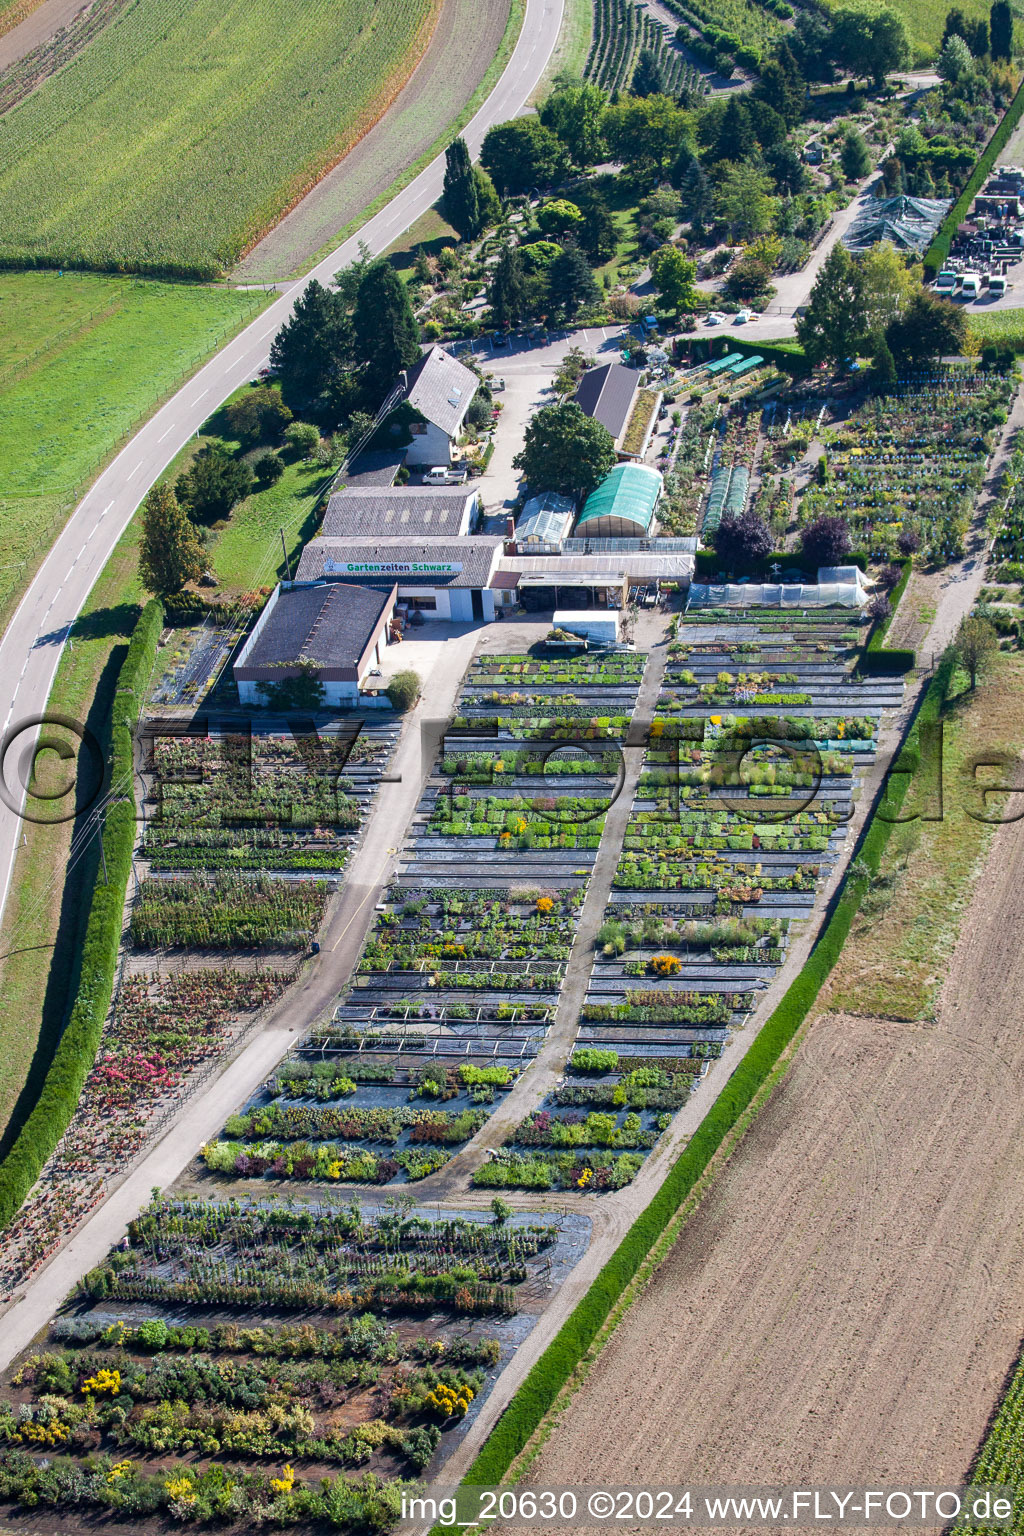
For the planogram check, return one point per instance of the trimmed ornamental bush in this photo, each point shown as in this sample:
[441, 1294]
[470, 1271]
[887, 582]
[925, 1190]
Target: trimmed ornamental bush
[404, 689]
[76, 1051]
[578, 1332]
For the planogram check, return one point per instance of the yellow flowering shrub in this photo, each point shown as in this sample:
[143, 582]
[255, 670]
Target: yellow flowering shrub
[104, 1381]
[286, 1482]
[448, 1402]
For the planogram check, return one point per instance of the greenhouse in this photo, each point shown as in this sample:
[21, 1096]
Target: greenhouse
[728, 496]
[909, 223]
[770, 594]
[623, 505]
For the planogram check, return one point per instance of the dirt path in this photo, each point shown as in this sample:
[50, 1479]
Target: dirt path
[847, 1300]
[465, 41]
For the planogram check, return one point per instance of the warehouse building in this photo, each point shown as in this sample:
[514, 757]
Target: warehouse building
[448, 578]
[334, 631]
[406, 511]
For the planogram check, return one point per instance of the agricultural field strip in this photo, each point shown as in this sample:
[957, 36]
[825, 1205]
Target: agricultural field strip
[461, 974]
[696, 927]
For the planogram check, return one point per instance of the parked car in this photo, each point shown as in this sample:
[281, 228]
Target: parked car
[439, 475]
[714, 318]
[743, 316]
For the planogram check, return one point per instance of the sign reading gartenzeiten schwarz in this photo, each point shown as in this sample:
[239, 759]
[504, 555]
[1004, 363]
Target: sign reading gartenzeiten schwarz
[390, 568]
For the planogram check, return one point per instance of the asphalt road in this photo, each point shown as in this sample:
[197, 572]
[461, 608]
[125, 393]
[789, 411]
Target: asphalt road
[31, 648]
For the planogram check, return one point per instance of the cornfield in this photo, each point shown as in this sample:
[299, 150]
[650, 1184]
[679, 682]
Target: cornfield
[187, 127]
[621, 29]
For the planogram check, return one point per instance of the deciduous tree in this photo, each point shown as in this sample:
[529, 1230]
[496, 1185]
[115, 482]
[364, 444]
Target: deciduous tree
[869, 40]
[739, 540]
[566, 451]
[743, 199]
[522, 154]
[826, 541]
[887, 285]
[574, 112]
[646, 132]
[975, 646]
[928, 327]
[673, 275]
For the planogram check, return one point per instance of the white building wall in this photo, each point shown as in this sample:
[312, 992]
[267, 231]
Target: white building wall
[429, 447]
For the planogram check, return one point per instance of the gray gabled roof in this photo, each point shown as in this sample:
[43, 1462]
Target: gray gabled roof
[440, 388]
[476, 555]
[403, 510]
[606, 394]
[330, 625]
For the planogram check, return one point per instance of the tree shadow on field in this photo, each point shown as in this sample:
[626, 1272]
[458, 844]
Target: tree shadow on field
[79, 880]
[403, 260]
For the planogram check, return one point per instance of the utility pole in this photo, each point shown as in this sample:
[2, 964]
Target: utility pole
[287, 562]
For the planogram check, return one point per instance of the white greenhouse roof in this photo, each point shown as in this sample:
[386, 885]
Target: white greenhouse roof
[832, 594]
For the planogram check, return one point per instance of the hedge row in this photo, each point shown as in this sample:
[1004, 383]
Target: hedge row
[876, 659]
[787, 355]
[938, 251]
[77, 1047]
[707, 563]
[552, 1370]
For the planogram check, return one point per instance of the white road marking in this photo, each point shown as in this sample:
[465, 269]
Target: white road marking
[170, 429]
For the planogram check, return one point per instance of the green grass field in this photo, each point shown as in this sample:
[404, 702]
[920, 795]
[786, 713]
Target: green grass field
[82, 360]
[925, 20]
[186, 129]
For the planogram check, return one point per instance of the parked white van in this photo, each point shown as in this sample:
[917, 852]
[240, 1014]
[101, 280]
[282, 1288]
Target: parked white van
[436, 476]
[970, 287]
